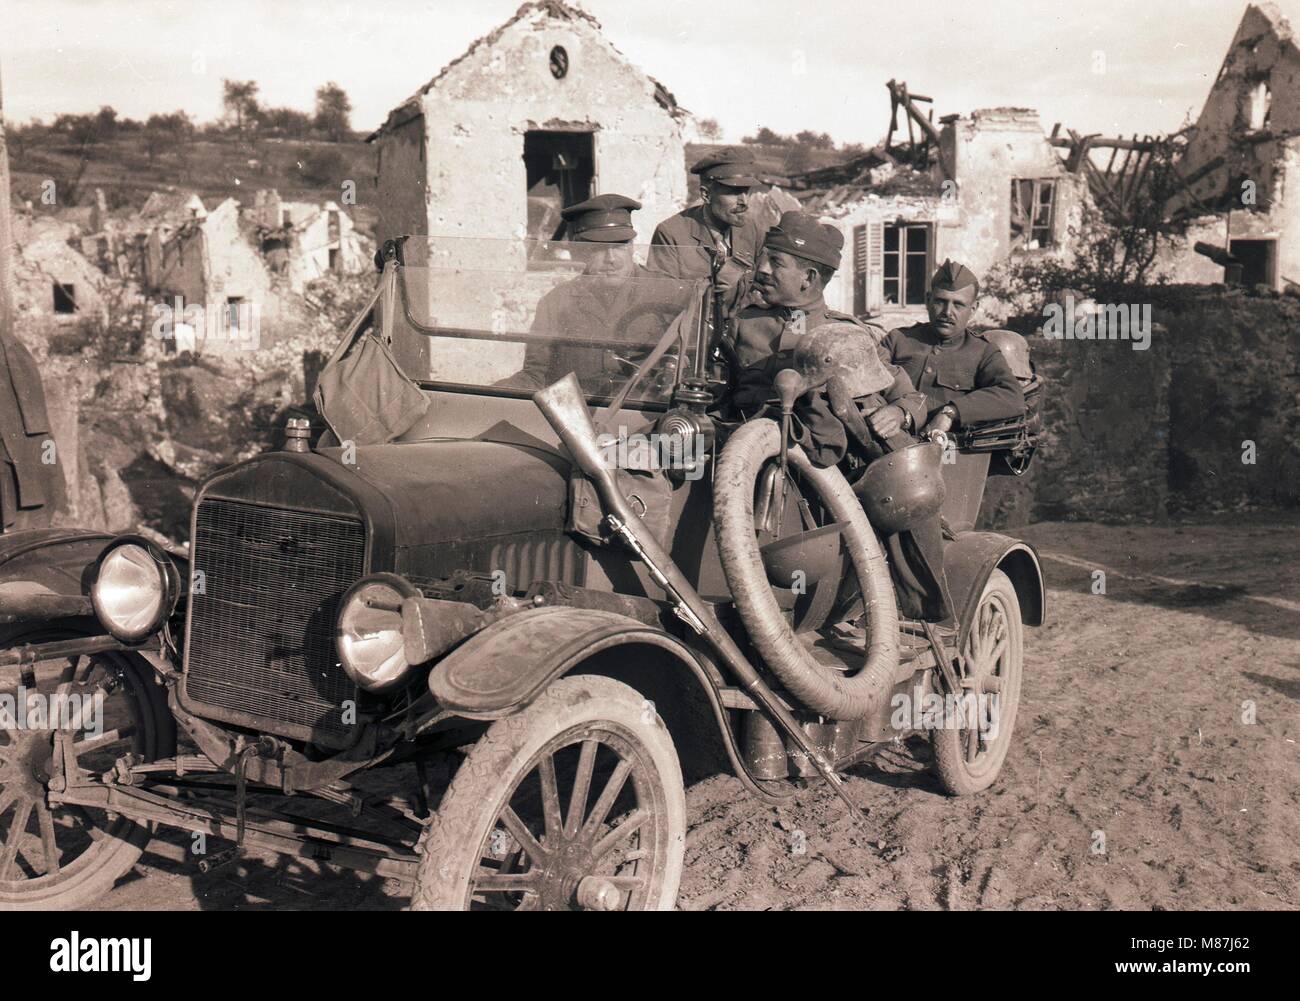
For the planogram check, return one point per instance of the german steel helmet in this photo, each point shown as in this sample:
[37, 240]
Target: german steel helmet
[842, 350]
[901, 489]
[1015, 349]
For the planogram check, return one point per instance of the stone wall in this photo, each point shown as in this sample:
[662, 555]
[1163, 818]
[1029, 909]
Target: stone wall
[1236, 379]
[1104, 450]
[1138, 435]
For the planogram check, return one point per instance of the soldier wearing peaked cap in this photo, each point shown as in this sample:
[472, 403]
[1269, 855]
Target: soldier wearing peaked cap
[965, 378]
[722, 224]
[800, 256]
[593, 305]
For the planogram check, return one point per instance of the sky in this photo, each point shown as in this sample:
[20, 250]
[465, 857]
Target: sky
[1105, 66]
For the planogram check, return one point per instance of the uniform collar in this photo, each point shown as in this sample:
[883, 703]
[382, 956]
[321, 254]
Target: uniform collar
[935, 340]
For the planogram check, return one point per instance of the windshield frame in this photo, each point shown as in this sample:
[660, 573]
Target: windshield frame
[689, 341]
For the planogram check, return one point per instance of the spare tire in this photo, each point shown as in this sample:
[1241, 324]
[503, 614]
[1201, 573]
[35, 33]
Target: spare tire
[816, 687]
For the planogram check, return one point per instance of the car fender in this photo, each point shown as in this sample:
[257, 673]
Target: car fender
[969, 561]
[503, 668]
[52, 562]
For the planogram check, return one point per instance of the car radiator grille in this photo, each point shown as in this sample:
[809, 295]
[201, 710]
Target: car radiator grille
[261, 636]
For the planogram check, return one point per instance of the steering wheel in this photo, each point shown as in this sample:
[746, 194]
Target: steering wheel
[665, 368]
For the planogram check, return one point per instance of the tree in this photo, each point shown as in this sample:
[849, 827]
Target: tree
[106, 123]
[285, 121]
[332, 111]
[324, 167]
[709, 129]
[239, 98]
[766, 137]
[815, 140]
[162, 130]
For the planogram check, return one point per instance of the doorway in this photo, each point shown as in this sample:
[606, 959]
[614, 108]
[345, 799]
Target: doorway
[1258, 259]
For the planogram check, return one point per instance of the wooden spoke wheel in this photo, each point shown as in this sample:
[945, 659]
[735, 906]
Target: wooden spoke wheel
[575, 803]
[54, 856]
[968, 759]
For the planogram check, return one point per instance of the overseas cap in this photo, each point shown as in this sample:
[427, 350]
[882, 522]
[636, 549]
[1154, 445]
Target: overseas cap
[801, 234]
[603, 219]
[954, 277]
[732, 165]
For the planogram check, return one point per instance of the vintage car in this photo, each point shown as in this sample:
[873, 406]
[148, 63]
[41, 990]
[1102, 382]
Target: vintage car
[476, 638]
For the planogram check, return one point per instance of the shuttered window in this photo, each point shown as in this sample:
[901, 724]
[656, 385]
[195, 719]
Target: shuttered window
[859, 270]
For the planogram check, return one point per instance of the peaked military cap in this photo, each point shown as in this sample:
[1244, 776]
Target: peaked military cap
[954, 277]
[732, 165]
[802, 235]
[603, 219]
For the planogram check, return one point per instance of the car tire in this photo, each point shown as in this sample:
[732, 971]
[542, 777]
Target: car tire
[116, 843]
[996, 617]
[471, 832]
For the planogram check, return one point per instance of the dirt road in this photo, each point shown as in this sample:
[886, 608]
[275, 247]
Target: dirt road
[1134, 781]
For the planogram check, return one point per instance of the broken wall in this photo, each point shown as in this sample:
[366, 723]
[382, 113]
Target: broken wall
[988, 150]
[43, 256]
[1251, 122]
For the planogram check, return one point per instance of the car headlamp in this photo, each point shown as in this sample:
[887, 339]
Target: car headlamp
[136, 588]
[369, 632]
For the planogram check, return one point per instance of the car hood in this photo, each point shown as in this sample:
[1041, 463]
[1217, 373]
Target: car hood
[412, 495]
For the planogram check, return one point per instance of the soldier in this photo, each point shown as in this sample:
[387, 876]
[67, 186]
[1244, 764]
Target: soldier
[722, 224]
[800, 256]
[965, 378]
[594, 305]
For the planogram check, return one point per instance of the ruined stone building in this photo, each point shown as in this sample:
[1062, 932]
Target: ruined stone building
[304, 241]
[541, 113]
[997, 190]
[209, 260]
[1243, 157]
[236, 264]
[53, 281]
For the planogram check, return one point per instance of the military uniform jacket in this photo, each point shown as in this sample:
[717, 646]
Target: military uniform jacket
[678, 248]
[970, 373]
[575, 310]
[765, 340]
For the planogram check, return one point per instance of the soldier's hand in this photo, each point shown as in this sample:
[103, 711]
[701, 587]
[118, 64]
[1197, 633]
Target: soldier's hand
[939, 422]
[887, 421]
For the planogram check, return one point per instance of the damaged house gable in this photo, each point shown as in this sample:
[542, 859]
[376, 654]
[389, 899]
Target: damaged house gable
[541, 113]
[997, 189]
[1244, 157]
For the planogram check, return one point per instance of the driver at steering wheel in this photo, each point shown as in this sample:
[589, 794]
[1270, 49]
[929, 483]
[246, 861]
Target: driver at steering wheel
[592, 306]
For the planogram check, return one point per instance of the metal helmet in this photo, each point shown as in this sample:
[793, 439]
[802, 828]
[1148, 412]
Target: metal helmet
[844, 350]
[901, 489]
[1015, 349]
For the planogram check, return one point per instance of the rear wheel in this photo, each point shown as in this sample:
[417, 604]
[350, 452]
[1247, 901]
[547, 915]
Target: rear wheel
[574, 803]
[55, 857]
[968, 760]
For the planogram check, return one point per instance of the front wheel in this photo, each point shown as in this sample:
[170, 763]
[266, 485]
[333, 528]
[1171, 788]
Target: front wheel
[576, 802]
[968, 759]
[55, 856]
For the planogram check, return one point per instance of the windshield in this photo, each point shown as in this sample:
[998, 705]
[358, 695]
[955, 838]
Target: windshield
[513, 316]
